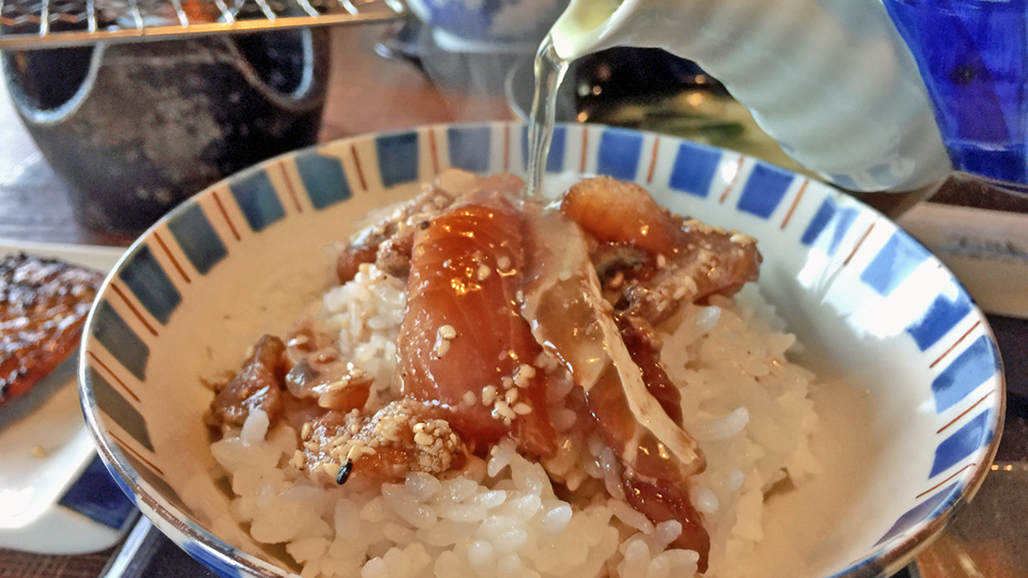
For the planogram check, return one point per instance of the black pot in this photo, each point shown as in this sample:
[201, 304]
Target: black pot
[134, 129]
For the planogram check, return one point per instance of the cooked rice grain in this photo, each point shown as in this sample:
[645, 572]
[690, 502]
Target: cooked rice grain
[746, 403]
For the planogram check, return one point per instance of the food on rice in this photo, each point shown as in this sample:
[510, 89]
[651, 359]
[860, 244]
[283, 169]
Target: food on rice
[498, 388]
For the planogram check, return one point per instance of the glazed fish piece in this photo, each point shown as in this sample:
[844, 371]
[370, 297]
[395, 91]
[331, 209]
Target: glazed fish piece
[43, 306]
[463, 343]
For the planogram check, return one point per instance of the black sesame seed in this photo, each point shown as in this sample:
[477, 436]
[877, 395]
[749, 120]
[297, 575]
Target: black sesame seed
[344, 472]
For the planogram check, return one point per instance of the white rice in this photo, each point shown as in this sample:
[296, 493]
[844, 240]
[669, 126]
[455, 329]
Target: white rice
[742, 399]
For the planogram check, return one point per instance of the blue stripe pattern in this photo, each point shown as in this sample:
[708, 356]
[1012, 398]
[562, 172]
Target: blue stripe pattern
[920, 512]
[894, 263]
[323, 179]
[197, 238]
[962, 443]
[111, 402]
[119, 339]
[257, 199]
[558, 144]
[470, 148]
[397, 158]
[98, 497]
[942, 315]
[821, 219]
[969, 370]
[764, 190]
[619, 154]
[147, 280]
[829, 216]
[694, 169]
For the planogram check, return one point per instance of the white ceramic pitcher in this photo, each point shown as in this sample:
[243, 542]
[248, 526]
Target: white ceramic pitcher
[830, 80]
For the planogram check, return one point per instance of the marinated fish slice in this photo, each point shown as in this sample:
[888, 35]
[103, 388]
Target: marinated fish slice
[463, 343]
[571, 319]
[257, 386]
[688, 260]
[403, 436]
[388, 243]
[43, 306]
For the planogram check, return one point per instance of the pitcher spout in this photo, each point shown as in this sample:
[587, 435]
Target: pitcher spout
[831, 80]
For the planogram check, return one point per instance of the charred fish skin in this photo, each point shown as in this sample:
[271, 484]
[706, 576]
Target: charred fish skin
[43, 307]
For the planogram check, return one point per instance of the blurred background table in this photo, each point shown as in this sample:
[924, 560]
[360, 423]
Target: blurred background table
[369, 93]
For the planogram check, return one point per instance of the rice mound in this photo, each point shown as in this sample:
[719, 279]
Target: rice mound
[746, 404]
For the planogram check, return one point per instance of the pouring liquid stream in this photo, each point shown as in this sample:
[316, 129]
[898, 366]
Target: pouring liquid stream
[549, 72]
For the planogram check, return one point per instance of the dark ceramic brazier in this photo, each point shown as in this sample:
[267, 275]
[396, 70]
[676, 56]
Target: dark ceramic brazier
[134, 129]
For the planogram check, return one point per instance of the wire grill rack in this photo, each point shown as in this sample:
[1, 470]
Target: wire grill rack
[26, 24]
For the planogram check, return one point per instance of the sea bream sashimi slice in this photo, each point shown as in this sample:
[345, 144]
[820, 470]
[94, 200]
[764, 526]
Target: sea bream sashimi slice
[571, 320]
[463, 343]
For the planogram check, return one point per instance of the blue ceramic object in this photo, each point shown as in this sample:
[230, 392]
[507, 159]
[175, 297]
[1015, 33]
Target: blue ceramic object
[885, 326]
[134, 129]
[973, 56]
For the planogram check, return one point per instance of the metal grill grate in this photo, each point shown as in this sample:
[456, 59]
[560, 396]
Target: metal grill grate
[54, 23]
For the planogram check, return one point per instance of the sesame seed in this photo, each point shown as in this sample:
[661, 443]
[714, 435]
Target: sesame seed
[447, 332]
[331, 469]
[507, 382]
[355, 428]
[617, 280]
[488, 395]
[565, 274]
[661, 261]
[423, 439]
[305, 431]
[312, 446]
[503, 263]
[522, 408]
[511, 397]
[503, 410]
[524, 374]
[344, 473]
[299, 459]
[419, 427]
[355, 451]
[742, 238]
[483, 272]
[442, 347]
[469, 398]
[38, 451]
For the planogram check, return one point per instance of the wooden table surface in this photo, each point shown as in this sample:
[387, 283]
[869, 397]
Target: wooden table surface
[367, 93]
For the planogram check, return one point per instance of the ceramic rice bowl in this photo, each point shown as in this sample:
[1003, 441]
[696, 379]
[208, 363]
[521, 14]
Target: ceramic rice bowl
[912, 393]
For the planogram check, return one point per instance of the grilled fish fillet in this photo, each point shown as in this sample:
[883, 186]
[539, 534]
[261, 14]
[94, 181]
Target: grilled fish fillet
[43, 306]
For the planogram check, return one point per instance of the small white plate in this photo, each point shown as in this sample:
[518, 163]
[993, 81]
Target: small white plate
[56, 497]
